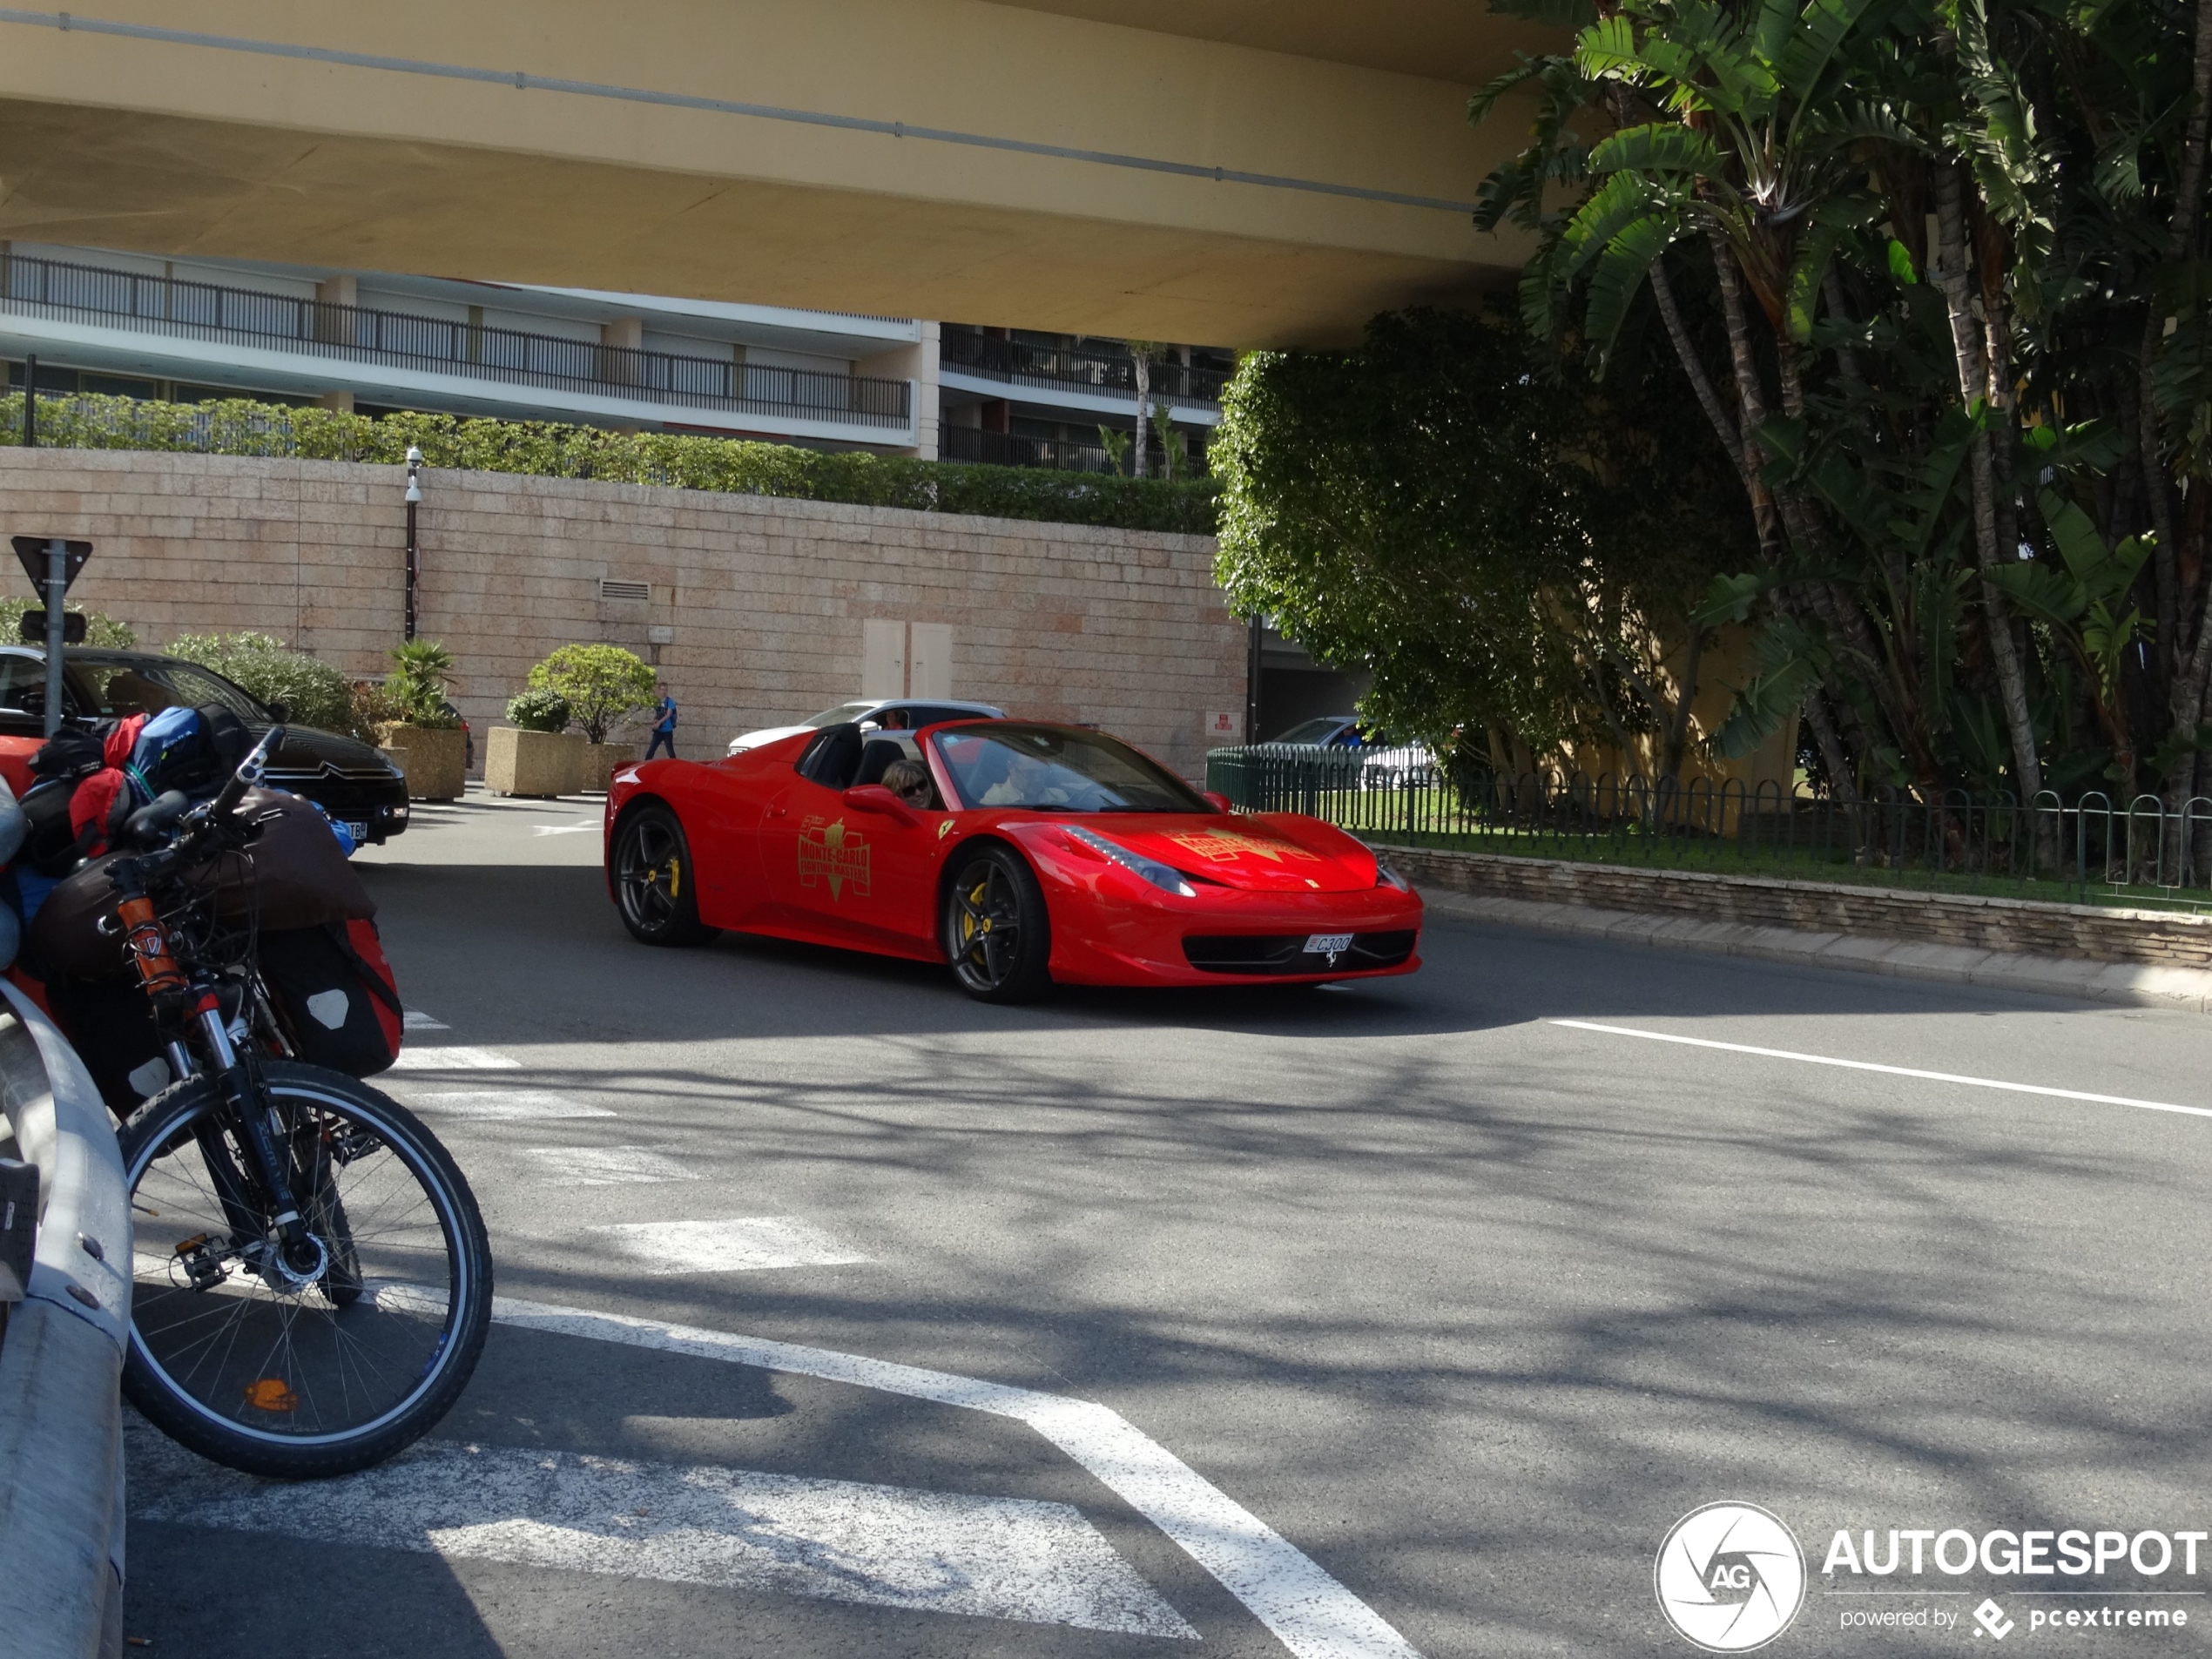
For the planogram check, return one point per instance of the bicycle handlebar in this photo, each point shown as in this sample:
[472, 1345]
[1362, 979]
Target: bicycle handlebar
[248, 773]
[146, 824]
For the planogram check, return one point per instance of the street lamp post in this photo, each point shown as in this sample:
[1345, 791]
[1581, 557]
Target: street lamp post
[413, 558]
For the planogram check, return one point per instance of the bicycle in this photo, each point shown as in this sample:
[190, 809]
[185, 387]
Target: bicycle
[312, 1283]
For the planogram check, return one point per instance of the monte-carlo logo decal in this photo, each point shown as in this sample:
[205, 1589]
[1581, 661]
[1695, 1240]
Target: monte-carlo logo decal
[1219, 846]
[833, 853]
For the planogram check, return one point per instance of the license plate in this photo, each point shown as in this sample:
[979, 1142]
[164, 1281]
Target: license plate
[1327, 944]
[359, 832]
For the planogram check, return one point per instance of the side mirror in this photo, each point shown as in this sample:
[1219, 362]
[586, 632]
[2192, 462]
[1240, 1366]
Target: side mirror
[279, 712]
[1218, 801]
[874, 798]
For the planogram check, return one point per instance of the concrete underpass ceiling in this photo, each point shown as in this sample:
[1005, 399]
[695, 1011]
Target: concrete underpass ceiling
[239, 142]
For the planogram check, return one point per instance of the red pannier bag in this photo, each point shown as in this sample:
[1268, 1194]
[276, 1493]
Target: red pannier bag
[335, 995]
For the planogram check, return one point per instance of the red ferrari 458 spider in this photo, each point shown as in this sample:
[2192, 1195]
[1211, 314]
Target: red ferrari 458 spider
[1020, 854]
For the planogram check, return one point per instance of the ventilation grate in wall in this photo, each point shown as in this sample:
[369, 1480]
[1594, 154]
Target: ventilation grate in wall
[636, 592]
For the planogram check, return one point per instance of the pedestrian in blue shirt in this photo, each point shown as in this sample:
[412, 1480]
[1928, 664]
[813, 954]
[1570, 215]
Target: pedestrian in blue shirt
[663, 727]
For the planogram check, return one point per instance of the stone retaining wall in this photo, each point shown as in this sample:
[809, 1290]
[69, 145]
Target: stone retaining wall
[760, 601]
[2086, 932]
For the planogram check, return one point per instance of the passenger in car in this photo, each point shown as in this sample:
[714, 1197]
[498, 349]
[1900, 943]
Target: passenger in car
[909, 781]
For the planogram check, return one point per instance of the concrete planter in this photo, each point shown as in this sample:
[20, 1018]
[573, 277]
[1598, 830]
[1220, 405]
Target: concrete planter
[531, 763]
[436, 759]
[596, 763]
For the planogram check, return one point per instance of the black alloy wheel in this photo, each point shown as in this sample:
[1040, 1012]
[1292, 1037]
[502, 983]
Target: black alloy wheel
[997, 934]
[656, 883]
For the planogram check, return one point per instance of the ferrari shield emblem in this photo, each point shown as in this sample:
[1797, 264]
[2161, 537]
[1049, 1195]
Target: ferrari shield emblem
[834, 854]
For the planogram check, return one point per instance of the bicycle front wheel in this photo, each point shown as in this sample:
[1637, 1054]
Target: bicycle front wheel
[286, 1367]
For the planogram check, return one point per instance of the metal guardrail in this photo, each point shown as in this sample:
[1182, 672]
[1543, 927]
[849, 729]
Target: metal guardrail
[1010, 450]
[2094, 847]
[34, 287]
[1067, 368]
[61, 1358]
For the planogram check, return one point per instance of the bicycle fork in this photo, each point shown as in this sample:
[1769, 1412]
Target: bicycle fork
[301, 1258]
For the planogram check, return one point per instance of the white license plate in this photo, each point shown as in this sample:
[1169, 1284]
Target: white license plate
[359, 832]
[1327, 944]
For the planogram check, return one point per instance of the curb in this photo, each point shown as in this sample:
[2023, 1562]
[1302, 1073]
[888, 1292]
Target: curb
[2187, 988]
[61, 1358]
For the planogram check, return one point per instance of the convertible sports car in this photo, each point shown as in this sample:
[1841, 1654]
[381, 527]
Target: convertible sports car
[1020, 853]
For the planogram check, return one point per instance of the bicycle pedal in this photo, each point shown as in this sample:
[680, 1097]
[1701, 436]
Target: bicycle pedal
[203, 1265]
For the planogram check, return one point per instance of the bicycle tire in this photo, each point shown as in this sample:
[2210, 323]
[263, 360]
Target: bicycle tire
[190, 1345]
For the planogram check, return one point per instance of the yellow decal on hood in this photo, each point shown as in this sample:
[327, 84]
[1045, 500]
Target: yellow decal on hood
[834, 854]
[1220, 846]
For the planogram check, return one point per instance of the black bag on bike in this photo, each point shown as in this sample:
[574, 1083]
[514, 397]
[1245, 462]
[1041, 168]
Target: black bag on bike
[335, 995]
[110, 1025]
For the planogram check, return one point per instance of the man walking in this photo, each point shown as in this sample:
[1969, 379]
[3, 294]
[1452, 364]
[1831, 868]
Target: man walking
[663, 727]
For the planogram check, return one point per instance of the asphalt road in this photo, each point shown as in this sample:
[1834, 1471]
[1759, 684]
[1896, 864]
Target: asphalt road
[1466, 1305]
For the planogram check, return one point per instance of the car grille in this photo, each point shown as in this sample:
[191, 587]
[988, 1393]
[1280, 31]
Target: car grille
[1287, 952]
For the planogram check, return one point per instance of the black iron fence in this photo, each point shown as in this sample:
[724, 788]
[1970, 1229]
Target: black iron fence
[2094, 847]
[1010, 450]
[1109, 373]
[403, 340]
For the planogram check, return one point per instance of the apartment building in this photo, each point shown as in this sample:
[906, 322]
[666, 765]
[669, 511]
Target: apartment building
[97, 320]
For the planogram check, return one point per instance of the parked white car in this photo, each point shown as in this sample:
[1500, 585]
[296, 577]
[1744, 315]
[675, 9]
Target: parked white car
[1382, 759]
[880, 713]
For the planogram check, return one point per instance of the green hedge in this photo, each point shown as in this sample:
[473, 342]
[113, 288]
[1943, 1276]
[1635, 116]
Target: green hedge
[543, 450]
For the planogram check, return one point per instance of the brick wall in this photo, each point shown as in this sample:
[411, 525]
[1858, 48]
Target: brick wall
[2087, 933]
[765, 597]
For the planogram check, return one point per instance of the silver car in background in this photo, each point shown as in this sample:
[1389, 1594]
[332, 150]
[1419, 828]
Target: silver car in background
[878, 714]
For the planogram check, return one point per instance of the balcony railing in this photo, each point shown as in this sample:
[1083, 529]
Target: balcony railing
[1054, 367]
[156, 305]
[1005, 450]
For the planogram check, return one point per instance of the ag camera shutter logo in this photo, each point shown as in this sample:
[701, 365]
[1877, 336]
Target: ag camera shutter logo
[1730, 1577]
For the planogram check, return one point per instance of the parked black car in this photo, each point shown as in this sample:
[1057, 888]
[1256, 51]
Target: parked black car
[343, 775]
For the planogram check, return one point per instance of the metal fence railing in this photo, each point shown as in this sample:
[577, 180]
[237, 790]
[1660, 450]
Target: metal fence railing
[1109, 373]
[2092, 847]
[158, 304]
[1011, 450]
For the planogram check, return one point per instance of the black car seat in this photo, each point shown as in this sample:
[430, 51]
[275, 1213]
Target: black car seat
[876, 759]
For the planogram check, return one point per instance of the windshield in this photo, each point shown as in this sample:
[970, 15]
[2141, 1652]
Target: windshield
[841, 714]
[1311, 731]
[114, 688]
[1058, 770]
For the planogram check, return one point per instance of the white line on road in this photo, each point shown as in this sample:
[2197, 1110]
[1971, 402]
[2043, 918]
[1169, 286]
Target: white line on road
[1893, 1071]
[416, 1019]
[994, 1558]
[1309, 1612]
[489, 1103]
[746, 1245]
[419, 1059]
[606, 1166]
[567, 829]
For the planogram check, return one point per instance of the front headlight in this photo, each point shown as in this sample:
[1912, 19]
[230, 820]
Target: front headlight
[1162, 876]
[1386, 877]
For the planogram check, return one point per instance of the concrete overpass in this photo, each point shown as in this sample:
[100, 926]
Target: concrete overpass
[1241, 172]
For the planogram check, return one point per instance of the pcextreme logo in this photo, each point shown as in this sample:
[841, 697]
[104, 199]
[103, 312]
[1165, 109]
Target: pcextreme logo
[834, 854]
[1730, 1577]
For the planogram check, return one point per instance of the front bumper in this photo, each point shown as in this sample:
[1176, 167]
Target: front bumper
[1115, 929]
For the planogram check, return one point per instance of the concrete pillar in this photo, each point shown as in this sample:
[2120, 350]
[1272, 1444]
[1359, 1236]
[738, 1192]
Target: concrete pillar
[332, 325]
[623, 334]
[916, 364]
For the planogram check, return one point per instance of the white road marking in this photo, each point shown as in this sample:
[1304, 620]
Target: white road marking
[489, 1103]
[592, 828]
[1308, 1611]
[995, 1558]
[416, 1019]
[456, 1059]
[606, 1166]
[746, 1245]
[1893, 1071]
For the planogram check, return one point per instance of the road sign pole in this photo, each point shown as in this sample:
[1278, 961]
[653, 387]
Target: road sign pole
[57, 627]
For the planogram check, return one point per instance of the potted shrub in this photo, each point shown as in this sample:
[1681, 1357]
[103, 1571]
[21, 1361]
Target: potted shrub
[309, 690]
[532, 753]
[604, 686]
[429, 729]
